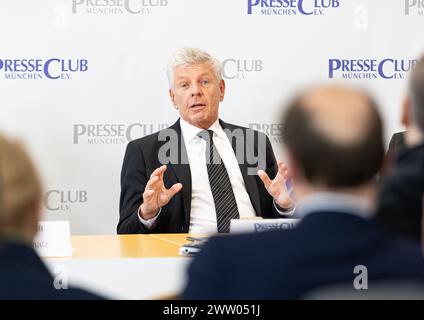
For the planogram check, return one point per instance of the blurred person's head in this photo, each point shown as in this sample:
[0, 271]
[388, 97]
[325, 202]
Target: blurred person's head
[20, 192]
[196, 86]
[413, 107]
[334, 141]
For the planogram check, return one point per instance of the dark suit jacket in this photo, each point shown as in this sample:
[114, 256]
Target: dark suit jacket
[400, 204]
[141, 159]
[24, 276]
[396, 146]
[323, 249]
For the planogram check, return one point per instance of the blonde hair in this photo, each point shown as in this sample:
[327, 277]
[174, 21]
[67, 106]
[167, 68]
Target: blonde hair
[20, 189]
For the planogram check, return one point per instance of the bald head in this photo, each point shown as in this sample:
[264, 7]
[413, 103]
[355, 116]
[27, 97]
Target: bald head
[335, 135]
[339, 114]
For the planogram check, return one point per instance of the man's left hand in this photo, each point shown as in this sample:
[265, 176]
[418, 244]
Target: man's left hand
[277, 187]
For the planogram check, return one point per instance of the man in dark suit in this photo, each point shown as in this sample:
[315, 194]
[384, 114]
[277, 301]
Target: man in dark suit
[22, 273]
[334, 146]
[201, 172]
[401, 196]
[396, 145]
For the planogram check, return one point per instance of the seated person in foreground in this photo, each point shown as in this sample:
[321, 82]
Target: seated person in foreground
[334, 144]
[23, 274]
[400, 204]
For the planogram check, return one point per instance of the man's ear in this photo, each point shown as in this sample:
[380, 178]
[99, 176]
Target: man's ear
[173, 98]
[222, 89]
[292, 165]
[406, 112]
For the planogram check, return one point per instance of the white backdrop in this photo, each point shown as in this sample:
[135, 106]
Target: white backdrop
[124, 86]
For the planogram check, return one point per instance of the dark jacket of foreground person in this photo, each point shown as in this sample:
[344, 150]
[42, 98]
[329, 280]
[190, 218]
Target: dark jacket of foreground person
[324, 249]
[401, 203]
[23, 275]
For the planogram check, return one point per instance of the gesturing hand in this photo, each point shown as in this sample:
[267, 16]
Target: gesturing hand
[156, 195]
[277, 187]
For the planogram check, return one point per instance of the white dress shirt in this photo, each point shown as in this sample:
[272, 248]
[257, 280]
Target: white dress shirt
[202, 213]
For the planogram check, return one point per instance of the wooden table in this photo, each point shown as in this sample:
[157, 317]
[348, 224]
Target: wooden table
[127, 246]
[125, 266]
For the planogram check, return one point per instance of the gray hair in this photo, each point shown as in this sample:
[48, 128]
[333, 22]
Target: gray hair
[188, 56]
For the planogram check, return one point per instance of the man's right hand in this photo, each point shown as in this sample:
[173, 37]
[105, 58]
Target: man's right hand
[155, 195]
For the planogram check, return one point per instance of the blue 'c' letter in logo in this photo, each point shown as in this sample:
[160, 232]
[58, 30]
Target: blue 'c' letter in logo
[381, 68]
[301, 10]
[46, 69]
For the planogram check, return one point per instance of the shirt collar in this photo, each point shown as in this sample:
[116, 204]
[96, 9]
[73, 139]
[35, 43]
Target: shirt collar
[332, 201]
[190, 132]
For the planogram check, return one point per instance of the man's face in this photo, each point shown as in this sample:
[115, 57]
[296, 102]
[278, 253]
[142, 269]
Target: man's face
[196, 93]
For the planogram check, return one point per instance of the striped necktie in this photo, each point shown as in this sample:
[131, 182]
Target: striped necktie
[222, 192]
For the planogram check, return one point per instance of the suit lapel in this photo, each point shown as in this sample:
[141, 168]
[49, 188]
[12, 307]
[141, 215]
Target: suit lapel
[249, 180]
[183, 173]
